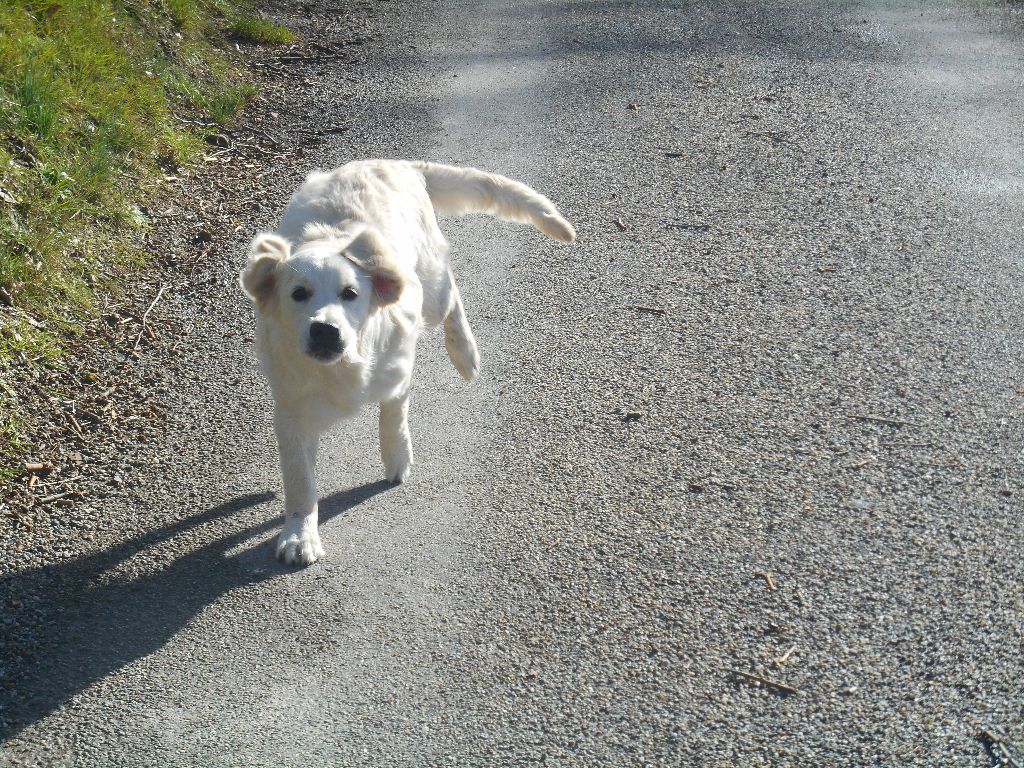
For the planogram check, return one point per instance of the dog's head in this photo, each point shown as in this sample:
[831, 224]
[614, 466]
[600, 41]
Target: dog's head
[323, 292]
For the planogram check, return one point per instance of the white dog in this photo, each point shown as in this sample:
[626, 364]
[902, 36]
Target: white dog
[356, 269]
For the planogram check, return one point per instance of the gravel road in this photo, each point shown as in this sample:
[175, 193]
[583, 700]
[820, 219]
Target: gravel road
[739, 484]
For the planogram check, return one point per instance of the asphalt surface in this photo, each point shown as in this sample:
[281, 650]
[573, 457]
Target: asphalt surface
[764, 418]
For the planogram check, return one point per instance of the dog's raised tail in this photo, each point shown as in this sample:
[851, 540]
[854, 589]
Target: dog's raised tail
[456, 191]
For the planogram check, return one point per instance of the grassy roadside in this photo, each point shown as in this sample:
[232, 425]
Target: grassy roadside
[99, 99]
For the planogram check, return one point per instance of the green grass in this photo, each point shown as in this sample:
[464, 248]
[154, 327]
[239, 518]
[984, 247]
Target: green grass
[91, 96]
[245, 26]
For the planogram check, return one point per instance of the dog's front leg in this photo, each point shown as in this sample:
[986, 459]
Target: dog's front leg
[300, 541]
[395, 443]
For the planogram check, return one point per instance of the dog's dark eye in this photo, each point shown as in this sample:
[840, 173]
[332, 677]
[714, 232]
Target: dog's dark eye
[301, 294]
[348, 294]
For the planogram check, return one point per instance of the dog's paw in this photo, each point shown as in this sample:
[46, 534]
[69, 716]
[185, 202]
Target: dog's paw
[396, 451]
[462, 351]
[299, 546]
[397, 468]
[468, 364]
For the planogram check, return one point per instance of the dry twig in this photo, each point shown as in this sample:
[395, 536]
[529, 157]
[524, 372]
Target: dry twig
[864, 463]
[769, 580]
[784, 657]
[62, 495]
[996, 746]
[764, 681]
[145, 315]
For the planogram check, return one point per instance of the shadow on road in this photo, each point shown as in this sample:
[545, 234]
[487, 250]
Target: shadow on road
[98, 617]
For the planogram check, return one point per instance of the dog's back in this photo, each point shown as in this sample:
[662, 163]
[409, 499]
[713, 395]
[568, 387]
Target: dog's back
[386, 194]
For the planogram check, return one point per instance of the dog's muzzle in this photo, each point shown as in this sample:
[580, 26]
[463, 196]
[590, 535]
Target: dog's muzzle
[325, 341]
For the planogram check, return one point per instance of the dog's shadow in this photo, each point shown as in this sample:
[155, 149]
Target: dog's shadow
[91, 617]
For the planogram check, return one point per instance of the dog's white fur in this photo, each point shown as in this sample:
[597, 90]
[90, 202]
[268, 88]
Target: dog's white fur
[356, 269]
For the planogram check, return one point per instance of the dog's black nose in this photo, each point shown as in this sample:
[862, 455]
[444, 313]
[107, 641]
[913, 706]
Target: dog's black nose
[324, 339]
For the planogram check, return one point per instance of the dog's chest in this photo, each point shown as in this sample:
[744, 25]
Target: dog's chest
[336, 394]
[322, 395]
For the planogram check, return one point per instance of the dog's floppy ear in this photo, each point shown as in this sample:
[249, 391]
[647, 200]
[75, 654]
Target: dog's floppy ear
[259, 278]
[369, 252]
[387, 286]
